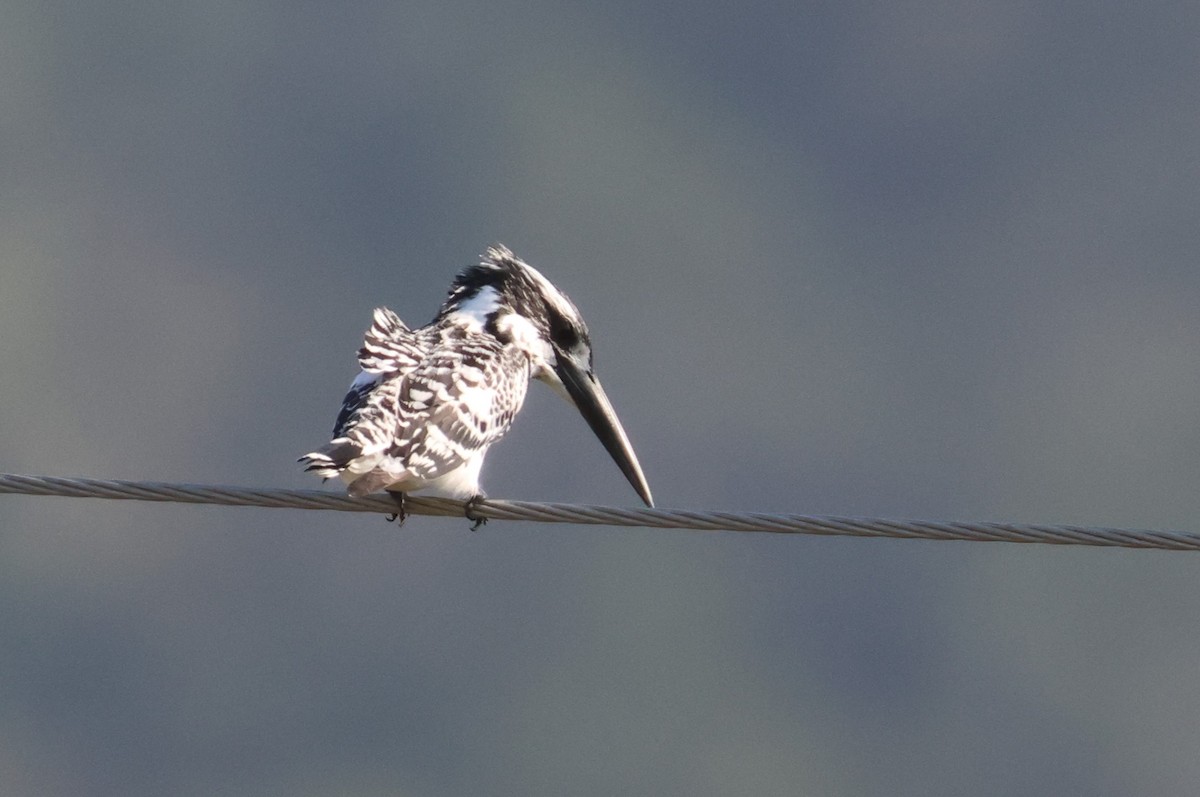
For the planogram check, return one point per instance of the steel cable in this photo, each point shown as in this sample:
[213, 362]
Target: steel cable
[694, 520]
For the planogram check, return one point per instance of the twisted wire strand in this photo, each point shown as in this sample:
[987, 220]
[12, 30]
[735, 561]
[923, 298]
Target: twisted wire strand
[599, 515]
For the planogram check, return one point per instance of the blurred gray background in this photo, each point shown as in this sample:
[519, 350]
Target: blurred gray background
[899, 259]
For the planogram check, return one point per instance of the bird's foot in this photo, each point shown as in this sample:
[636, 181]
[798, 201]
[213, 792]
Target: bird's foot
[471, 509]
[399, 516]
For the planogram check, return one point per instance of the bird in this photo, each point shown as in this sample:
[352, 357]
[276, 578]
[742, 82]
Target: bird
[430, 402]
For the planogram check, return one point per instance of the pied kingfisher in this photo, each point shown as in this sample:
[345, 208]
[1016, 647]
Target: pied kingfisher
[431, 401]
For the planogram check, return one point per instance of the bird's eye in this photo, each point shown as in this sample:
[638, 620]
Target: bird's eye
[563, 334]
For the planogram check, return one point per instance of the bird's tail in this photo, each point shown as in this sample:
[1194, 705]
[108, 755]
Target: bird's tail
[331, 459]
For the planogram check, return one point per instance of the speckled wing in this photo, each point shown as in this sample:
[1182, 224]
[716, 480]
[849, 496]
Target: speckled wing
[366, 423]
[389, 351]
[427, 404]
[456, 403]
[389, 347]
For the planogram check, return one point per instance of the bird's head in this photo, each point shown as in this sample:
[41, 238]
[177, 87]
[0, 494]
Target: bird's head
[511, 300]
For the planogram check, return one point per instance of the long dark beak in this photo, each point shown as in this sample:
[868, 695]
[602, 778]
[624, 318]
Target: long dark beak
[593, 405]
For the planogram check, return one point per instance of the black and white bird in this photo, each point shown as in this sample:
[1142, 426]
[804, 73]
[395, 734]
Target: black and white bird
[431, 401]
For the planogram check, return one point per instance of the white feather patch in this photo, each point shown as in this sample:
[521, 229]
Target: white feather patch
[473, 313]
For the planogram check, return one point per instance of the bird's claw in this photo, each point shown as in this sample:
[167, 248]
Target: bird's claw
[399, 516]
[471, 508]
